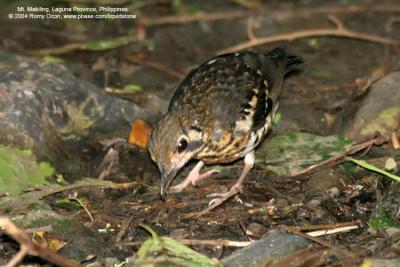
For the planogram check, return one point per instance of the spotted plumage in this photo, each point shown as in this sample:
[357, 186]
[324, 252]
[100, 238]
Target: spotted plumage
[220, 112]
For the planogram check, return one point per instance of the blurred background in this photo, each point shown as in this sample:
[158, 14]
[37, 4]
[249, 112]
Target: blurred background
[76, 74]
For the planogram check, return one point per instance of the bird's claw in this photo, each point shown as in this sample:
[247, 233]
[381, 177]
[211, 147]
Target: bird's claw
[222, 197]
[192, 179]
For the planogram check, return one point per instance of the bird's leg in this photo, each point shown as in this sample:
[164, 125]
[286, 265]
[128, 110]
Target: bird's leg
[249, 160]
[193, 177]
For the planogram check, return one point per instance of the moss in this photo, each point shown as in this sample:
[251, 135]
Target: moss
[20, 170]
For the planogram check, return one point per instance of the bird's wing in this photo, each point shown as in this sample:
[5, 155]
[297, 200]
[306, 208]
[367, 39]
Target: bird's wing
[233, 86]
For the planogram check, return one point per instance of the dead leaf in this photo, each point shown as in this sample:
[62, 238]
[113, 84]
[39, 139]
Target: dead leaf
[139, 133]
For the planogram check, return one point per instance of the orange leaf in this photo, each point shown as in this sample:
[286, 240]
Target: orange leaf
[139, 133]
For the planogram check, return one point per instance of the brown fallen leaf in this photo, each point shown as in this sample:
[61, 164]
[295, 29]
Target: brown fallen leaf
[140, 131]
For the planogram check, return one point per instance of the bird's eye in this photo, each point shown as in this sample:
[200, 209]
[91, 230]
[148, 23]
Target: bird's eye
[182, 145]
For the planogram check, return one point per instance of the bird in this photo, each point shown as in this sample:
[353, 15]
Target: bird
[219, 113]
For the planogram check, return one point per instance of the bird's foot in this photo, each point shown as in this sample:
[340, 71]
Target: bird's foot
[222, 197]
[193, 178]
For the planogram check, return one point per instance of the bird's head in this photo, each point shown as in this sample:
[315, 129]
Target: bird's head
[172, 144]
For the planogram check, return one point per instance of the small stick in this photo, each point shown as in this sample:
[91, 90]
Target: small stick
[324, 226]
[124, 228]
[395, 140]
[250, 32]
[377, 140]
[332, 231]
[339, 31]
[346, 251]
[18, 257]
[390, 22]
[279, 15]
[74, 197]
[88, 183]
[221, 242]
[169, 20]
[194, 242]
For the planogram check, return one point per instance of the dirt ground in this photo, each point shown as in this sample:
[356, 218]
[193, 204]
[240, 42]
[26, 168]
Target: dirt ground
[320, 99]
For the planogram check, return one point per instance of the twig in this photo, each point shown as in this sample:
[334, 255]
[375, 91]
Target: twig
[169, 20]
[339, 31]
[156, 66]
[390, 22]
[250, 32]
[23, 251]
[395, 140]
[124, 228]
[344, 251]
[83, 205]
[88, 183]
[221, 242]
[324, 226]
[347, 9]
[364, 84]
[31, 248]
[377, 140]
[194, 242]
[279, 15]
[108, 164]
[107, 44]
[332, 231]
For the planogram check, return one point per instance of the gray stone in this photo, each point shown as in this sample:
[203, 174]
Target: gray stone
[267, 250]
[379, 110]
[45, 108]
[38, 99]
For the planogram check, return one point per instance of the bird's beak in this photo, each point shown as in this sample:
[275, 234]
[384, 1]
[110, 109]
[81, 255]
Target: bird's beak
[166, 179]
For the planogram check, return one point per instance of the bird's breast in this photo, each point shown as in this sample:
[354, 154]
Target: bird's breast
[223, 146]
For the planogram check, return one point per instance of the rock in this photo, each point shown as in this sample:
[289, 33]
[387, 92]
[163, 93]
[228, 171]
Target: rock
[294, 151]
[45, 108]
[379, 111]
[267, 250]
[40, 97]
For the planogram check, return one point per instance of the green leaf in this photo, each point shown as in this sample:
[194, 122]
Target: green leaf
[370, 167]
[165, 251]
[107, 44]
[286, 154]
[97, 45]
[20, 170]
[133, 88]
[51, 59]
